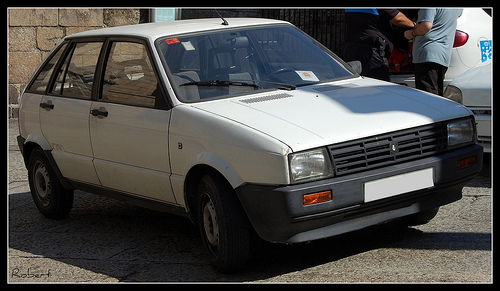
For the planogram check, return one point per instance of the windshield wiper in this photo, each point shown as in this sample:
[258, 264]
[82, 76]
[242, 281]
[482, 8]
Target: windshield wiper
[220, 83]
[282, 85]
[238, 83]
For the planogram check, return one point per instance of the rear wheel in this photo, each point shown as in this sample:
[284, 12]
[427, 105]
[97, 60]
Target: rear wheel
[50, 197]
[222, 224]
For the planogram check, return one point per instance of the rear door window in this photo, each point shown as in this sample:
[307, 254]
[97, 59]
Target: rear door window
[75, 77]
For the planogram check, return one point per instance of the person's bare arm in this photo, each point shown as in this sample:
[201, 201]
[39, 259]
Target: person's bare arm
[401, 20]
[422, 28]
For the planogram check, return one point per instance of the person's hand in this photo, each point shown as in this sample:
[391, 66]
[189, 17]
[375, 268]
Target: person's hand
[409, 34]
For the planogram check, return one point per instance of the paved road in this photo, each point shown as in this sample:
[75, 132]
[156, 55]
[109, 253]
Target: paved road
[104, 240]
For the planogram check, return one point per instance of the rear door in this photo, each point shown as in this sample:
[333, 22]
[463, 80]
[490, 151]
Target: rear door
[129, 124]
[64, 112]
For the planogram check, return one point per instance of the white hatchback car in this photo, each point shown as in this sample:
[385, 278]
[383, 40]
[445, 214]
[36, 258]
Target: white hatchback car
[249, 124]
[472, 46]
[473, 89]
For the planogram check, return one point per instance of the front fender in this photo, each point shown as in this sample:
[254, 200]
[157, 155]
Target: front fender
[219, 164]
[207, 161]
[239, 153]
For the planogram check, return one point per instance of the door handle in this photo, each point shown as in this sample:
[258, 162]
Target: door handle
[99, 112]
[47, 105]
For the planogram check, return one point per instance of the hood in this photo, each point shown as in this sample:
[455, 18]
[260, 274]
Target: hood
[325, 114]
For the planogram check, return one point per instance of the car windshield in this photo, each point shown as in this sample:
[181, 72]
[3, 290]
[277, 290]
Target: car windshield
[233, 62]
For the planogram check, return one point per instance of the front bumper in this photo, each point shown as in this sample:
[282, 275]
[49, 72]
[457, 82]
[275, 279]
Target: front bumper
[278, 215]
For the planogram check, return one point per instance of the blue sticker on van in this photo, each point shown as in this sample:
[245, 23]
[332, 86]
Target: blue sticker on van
[486, 50]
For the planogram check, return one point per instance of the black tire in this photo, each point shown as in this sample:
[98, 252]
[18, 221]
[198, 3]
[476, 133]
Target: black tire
[50, 197]
[223, 225]
[421, 217]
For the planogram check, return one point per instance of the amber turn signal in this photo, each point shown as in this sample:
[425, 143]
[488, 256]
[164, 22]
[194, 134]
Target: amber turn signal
[465, 163]
[318, 197]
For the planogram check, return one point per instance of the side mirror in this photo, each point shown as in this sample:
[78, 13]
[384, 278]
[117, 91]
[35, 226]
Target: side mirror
[356, 66]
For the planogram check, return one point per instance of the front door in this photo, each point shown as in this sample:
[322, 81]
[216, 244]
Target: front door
[129, 125]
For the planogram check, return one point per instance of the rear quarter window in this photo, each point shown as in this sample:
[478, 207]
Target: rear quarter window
[42, 79]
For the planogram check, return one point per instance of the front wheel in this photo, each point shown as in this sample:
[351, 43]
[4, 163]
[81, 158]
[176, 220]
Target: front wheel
[223, 225]
[50, 197]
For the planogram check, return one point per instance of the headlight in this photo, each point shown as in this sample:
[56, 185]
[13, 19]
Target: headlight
[310, 165]
[453, 93]
[461, 131]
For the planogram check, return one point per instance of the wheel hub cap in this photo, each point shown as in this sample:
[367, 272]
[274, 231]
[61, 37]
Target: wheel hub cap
[42, 183]
[210, 224]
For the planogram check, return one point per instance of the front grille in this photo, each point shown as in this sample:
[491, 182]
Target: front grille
[387, 149]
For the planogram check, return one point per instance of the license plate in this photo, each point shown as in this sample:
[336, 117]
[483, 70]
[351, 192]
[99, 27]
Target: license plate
[396, 185]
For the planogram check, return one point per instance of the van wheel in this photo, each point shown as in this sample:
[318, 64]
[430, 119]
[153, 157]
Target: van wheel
[223, 225]
[50, 197]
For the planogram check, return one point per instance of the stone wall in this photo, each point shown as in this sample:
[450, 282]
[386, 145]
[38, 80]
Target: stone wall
[32, 33]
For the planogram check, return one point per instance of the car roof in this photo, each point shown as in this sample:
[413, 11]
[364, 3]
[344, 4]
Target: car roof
[159, 29]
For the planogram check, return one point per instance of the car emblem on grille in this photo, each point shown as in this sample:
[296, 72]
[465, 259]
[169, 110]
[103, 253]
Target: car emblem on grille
[393, 146]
